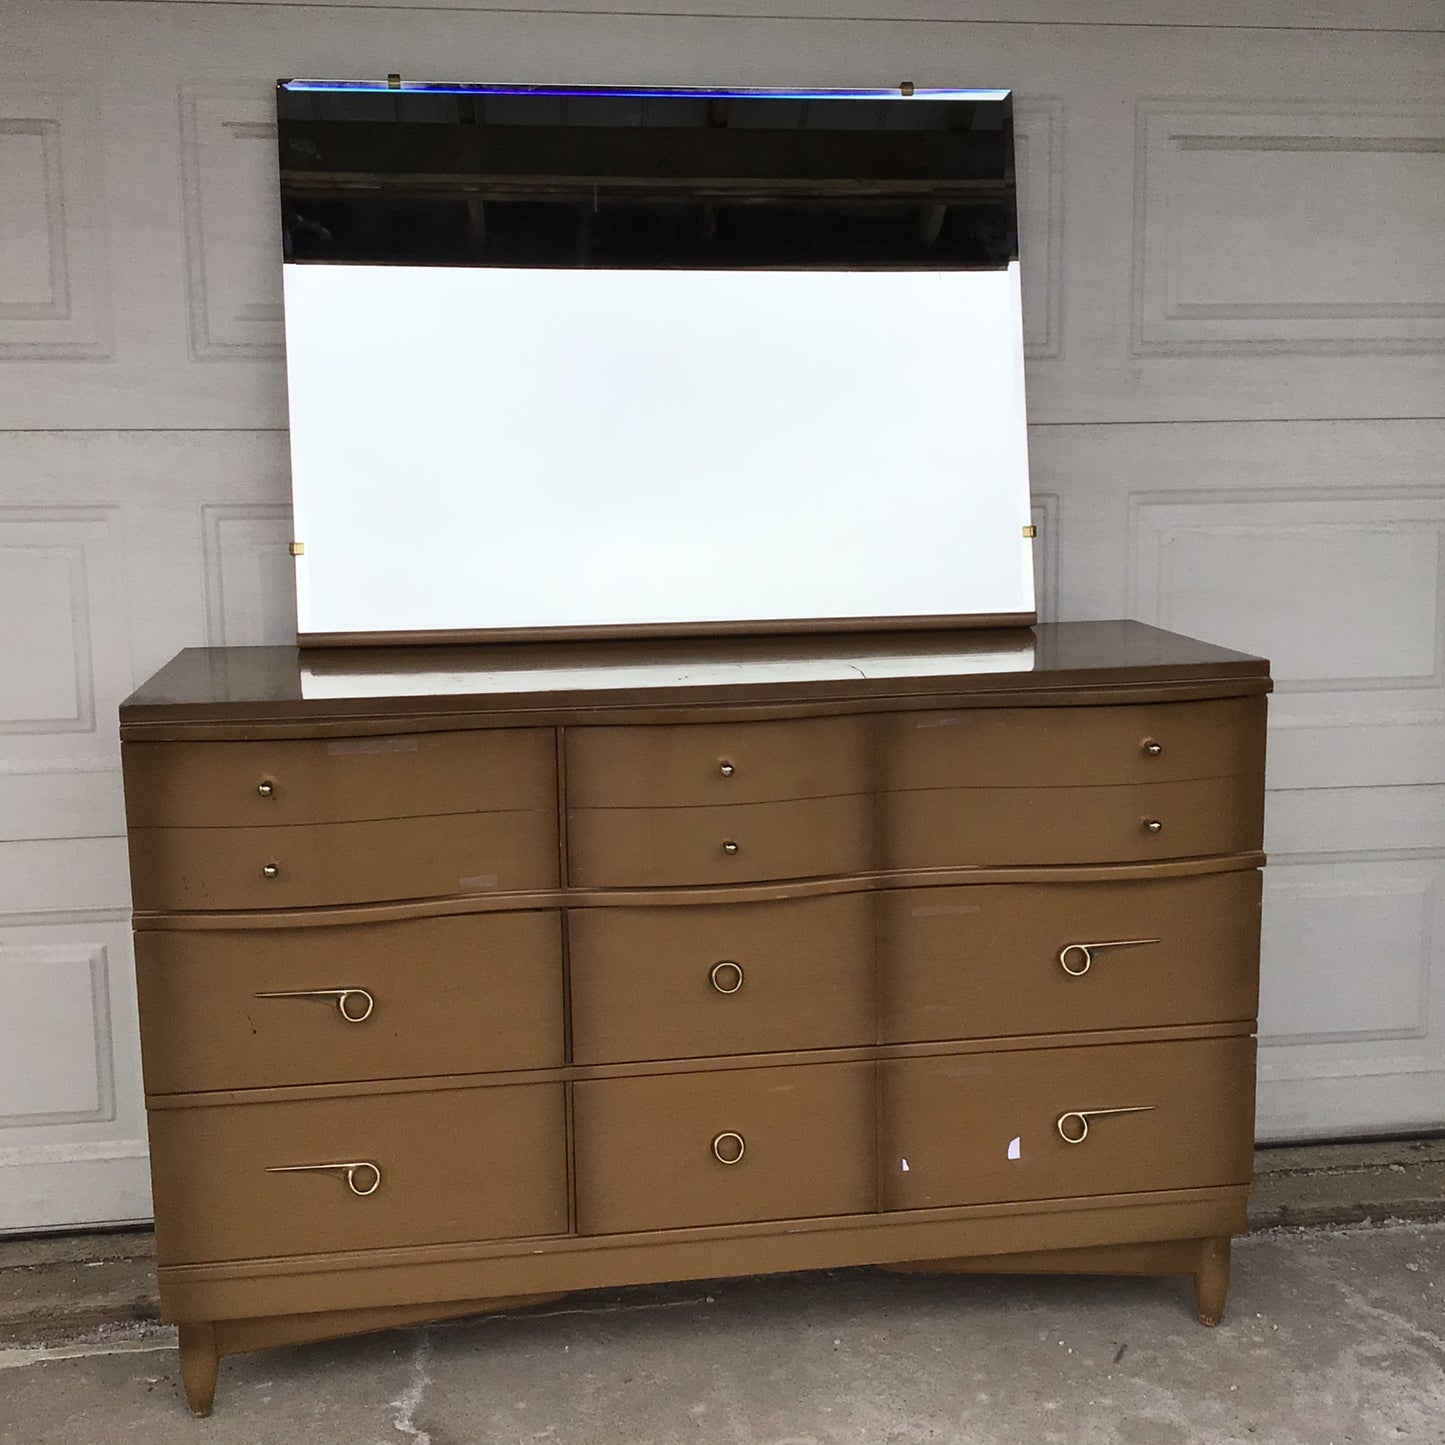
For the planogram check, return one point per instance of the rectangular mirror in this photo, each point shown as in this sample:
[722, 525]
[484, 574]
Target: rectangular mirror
[601, 362]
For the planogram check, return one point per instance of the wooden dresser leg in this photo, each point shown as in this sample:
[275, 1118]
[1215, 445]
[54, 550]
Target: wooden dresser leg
[1211, 1279]
[199, 1362]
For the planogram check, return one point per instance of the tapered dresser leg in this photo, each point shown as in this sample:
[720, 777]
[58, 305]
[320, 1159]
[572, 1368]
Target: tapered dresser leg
[1211, 1279]
[199, 1362]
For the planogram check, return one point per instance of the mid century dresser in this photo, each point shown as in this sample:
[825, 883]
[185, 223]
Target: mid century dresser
[472, 976]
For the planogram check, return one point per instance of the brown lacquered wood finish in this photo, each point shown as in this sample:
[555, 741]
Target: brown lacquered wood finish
[312, 865]
[472, 975]
[987, 961]
[428, 1168]
[741, 978]
[428, 996]
[728, 1147]
[268, 783]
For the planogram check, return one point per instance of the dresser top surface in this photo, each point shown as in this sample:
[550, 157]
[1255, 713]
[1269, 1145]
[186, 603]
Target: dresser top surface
[292, 684]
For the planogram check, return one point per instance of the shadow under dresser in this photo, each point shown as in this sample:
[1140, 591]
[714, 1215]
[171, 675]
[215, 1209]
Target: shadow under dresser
[470, 976]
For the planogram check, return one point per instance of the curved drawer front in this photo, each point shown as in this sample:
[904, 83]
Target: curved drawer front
[984, 1128]
[1072, 746]
[1037, 958]
[647, 1149]
[331, 863]
[988, 827]
[695, 765]
[669, 983]
[663, 847]
[457, 1164]
[338, 780]
[241, 1009]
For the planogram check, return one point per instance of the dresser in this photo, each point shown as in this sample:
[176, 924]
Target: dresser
[472, 976]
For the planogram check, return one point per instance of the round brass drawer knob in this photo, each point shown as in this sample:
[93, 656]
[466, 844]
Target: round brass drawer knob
[726, 976]
[266, 790]
[270, 870]
[1153, 749]
[729, 1148]
[1153, 825]
[730, 848]
[726, 769]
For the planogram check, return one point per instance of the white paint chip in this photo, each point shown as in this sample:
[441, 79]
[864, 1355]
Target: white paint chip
[1015, 1150]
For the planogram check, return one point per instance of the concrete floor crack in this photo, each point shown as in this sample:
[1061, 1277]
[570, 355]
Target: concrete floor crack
[409, 1401]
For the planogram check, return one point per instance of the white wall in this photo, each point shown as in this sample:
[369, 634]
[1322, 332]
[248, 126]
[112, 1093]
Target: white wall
[1235, 314]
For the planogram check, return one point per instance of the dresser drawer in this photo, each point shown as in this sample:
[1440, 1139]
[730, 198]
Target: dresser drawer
[985, 1128]
[332, 863]
[706, 764]
[456, 1164]
[338, 780]
[662, 847]
[1046, 747]
[989, 827]
[986, 961]
[670, 983]
[648, 1149]
[245, 1009]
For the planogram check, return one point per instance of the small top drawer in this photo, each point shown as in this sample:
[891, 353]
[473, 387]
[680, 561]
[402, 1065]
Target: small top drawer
[715, 764]
[337, 780]
[1046, 747]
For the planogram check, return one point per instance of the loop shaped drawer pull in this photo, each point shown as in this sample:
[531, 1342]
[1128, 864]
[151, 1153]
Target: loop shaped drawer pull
[267, 789]
[1152, 748]
[717, 1148]
[726, 769]
[1084, 1115]
[716, 974]
[1153, 825]
[729, 847]
[342, 996]
[270, 870]
[349, 1170]
[1083, 953]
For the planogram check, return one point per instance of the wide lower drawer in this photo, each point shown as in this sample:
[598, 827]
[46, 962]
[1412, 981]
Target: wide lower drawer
[316, 1176]
[987, 827]
[336, 780]
[1044, 958]
[330, 863]
[249, 1008]
[724, 1148]
[664, 847]
[1072, 746]
[703, 764]
[1065, 1122]
[668, 983]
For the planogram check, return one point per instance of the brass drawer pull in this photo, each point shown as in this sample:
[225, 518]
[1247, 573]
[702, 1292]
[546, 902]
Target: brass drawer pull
[726, 969]
[1082, 954]
[730, 1139]
[1153, 825]
[367, 1171]
[1153, 749]
[726, 769]
[270, 870]
[266, 790]
[1084, 1115]
[342, 996]
[730, 848]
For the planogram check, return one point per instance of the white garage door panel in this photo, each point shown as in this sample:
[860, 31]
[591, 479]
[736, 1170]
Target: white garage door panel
[1181, 239]
[1352, 994]
[1235, 326]
[1319, 544]
[72, 1125]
